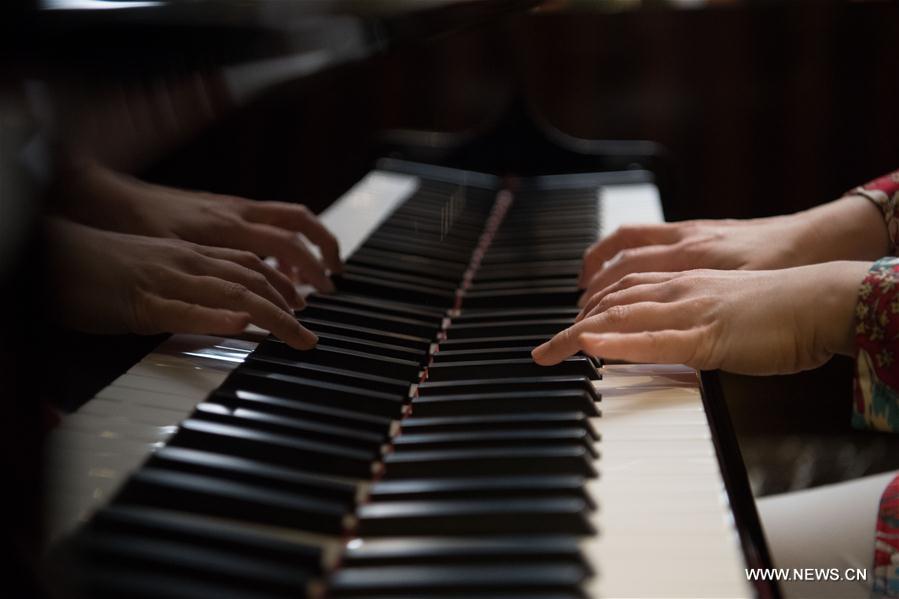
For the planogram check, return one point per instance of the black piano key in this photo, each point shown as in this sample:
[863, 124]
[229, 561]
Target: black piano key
[495, 260]
[524, 283]
[456, 581]
[459, 235]
[492, 422]
[499, 385]
[287, 425]
[98, 582]
[417, 213]
[505, 328]
[392, 308]
[427, 218]
[543, 234]
[469, 355]
[322, 372]
[553, 437]
[276, 347]
[498, 315]
[256, 473]
[504, 402]
[520, 367]
[408, 292]
[274, 448]
[522, 487]
[201, 563]
[441, 269]
[477, 550]
[353, 360]
[428, 242]
[405, 244]
[475, 517]
[536, 268]
[314, 391]
[236, 501]
[176, 526]
[365, 333]
[537, 296]
[490, 461]
[353, 419]
[531, 341]
[371, 319]
[387, 273]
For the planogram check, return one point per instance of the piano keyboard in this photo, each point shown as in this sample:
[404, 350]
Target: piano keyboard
[417, 451]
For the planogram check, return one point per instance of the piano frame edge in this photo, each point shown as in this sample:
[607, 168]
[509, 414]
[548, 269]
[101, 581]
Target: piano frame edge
[736, 480]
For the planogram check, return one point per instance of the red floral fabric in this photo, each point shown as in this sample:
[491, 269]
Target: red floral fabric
[886, 545]
[885, 193]
[876, 386]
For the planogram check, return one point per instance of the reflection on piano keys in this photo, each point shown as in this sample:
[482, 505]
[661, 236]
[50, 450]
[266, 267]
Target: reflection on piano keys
[418, 451]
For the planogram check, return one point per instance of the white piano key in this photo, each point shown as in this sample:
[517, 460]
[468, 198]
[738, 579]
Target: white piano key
[628, 204]
[143, 397]
[360, 210]
[114, 428]
[656, 447]
[113, 409]
[665, 527]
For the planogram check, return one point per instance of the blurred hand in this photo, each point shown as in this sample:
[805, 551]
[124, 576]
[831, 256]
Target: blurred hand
[848, 229]
[750, 322]
[107, 282]
[121, 203]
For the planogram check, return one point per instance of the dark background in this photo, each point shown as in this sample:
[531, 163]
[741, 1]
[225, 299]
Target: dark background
[763, 108]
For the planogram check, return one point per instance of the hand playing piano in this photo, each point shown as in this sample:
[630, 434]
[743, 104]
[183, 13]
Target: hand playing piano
[850, 228]
[750, 322]
[117, 202]
[107, 282]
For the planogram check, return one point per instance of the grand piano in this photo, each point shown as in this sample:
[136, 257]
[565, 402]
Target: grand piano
[417, 451]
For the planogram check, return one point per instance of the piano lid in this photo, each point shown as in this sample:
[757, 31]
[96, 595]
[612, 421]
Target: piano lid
[261, 43]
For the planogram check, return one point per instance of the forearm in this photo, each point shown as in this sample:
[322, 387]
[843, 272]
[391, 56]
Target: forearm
[89, 193]
[850, 228]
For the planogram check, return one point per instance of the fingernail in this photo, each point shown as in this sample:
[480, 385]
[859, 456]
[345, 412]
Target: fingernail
[307, 339]
[239, 320]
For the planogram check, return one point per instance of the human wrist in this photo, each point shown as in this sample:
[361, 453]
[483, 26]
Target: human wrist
[105, 199]
[849, 228]
[839, 293]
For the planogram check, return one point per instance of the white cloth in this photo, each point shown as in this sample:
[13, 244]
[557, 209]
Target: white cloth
[831, 526]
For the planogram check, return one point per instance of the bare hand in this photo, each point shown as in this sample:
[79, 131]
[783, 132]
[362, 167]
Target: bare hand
[751, 322]
[847, 229]
[114, 283]
[120, 203]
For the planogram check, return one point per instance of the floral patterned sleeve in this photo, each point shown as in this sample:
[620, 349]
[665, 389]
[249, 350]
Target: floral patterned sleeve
[876, 401]
[876, 393]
